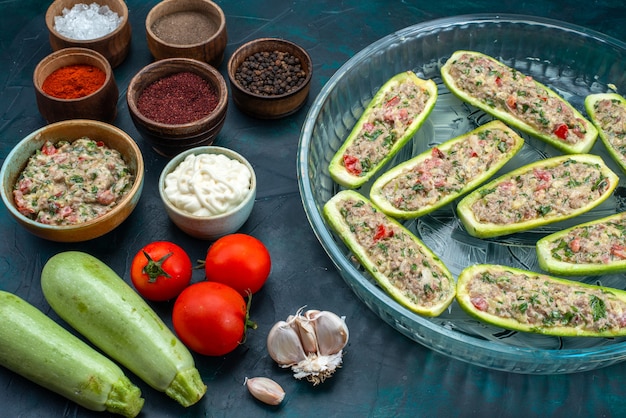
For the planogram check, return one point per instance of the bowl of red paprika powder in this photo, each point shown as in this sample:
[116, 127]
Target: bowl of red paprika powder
[75, 83]
[177, 104]
[270, 78]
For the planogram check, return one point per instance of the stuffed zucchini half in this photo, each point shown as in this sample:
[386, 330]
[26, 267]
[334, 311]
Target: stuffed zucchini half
[537, 194]
[401, 264]
[390, 120]
[518, 100]
[447, 171]
[526, 301]
[596, 247]
[608, 112]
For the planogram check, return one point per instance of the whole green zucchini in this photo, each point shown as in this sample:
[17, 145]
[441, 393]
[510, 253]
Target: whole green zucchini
[390, 120]
[518, 100]
[608, 113]
[595, 247]
[36, 347]
[537, 194]
[438, 176]
[399, 261]
[526, 301]
[100, 305]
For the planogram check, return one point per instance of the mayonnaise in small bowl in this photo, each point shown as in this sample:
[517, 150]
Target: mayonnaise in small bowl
[209, 191]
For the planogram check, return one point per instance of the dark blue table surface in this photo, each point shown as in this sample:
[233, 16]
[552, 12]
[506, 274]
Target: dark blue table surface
[384, 373]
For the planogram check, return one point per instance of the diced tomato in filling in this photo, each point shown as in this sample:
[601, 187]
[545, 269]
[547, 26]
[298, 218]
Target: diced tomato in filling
[574, 245]
[511, 102]
[480, 303]
[561, 131]
[393, 101]
[351, 162]
[619, 251]
[437, 153]
[498, 82]
[48, 149]
[382, 232]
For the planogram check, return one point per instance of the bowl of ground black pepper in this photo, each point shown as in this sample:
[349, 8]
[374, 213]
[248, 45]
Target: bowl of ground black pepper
[177, 104]
[101, 25]
[187, 29]
[270, 78]
[75, 83]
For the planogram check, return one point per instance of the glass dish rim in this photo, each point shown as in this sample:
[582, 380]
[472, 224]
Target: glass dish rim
[323, 234]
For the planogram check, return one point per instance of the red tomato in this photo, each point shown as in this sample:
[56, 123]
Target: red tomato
[239, 261]
[210, 318]
[161, 270]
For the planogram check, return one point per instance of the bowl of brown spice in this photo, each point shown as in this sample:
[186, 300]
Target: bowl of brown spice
[187, 29]
[270, 78]
[102, 25]
[177, 104]
[75, 83]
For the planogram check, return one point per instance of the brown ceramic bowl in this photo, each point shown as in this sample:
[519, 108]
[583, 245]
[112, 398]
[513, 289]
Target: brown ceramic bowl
[269, 106]
[100, 105]
[113, 46]
[187, 29]
[70, 130]
[168, 139]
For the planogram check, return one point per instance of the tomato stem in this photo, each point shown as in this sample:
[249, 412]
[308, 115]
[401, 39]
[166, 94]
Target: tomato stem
[154, 269]
[249, 324]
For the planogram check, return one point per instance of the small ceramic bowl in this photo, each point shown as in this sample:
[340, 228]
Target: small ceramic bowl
[70, 130]
[272, 106]
[167, 139]
[187, 29]
[100, 105]
[113, 46]
[209, 227]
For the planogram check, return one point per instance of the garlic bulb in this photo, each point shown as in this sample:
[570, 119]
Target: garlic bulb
[311, 344]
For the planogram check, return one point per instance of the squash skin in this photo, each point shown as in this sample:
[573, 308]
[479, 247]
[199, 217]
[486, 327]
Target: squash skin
[336, 168]
[37, 348]
[466, 304]
[376, 194]
[488, 230]
[336, 221]
[553, 266]
[590, 101]
[581, 147]
[95, 301]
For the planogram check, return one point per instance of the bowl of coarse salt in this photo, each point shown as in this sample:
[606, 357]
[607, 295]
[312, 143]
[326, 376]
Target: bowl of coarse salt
[102, 26]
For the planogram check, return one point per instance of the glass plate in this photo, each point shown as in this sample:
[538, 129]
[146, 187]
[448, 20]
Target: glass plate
[572, 60]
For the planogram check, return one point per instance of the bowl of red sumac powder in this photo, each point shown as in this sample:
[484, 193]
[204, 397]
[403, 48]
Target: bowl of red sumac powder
[178, 104]
[270, 78]
[75, 83]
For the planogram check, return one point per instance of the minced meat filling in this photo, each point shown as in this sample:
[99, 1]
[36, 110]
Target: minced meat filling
[385, 125]
[508, 90]
[543, 192]
[447, 171]
[396, 254]
[599, 243]
[72, 182]
[541, 302]
[611, 116]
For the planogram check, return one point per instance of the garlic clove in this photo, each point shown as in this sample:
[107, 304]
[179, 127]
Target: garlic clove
[266, 390]
[283, 344]
[306, 331]
[331, 330]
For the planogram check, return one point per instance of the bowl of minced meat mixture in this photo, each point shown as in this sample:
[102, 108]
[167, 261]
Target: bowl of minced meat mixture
[208, 192]
[72, 181]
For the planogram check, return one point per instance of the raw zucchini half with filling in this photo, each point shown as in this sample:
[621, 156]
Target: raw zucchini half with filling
[596, 247]
[518, 100]
[608, 112]
[438, 176]
[537, 194]
[390, 120]
[526, 301]
[401, 264]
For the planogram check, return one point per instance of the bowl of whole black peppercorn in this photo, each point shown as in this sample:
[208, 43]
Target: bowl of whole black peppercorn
[270, 78]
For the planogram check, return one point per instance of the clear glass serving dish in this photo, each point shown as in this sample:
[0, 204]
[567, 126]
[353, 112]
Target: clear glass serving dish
[572, 60]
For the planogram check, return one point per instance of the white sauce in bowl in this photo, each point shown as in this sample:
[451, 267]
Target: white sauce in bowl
[208, 184]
